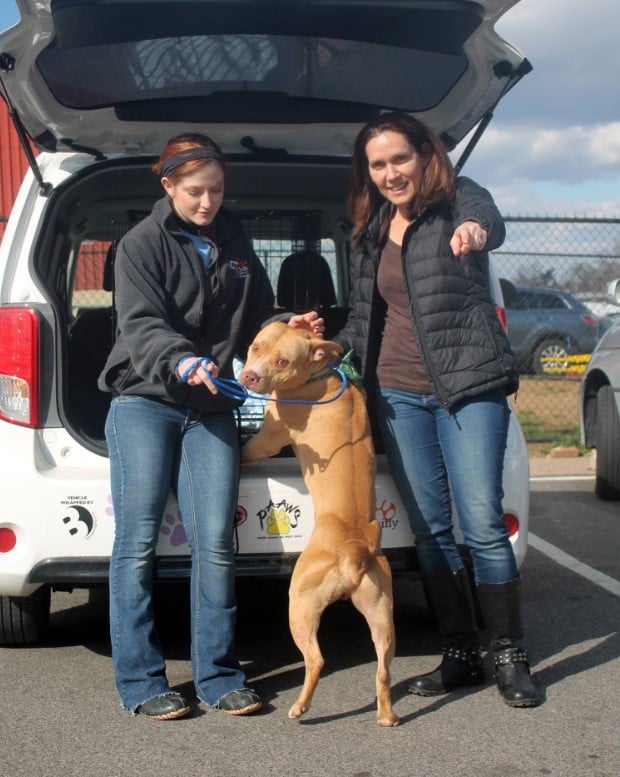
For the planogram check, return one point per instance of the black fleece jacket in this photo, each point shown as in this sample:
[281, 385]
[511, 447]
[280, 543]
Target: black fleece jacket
[463, 346]
[170, 306]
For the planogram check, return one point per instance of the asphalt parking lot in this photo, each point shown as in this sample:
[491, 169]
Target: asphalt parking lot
[59, 712]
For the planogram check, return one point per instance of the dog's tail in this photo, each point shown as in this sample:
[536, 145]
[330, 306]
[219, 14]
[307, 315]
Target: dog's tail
[355, 561]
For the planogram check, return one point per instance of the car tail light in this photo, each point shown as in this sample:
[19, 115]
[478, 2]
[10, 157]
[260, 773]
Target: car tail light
[19, 366]
[590, 319]
[501, 314]
[8, 540]
[512, 523]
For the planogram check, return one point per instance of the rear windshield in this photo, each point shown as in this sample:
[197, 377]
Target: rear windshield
[203, 66]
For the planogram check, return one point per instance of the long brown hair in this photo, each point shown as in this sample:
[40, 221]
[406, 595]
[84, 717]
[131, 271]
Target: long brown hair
[364, 200]
[182, 144]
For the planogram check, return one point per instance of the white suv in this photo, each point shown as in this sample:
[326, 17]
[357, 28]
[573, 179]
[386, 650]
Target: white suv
[283, 87]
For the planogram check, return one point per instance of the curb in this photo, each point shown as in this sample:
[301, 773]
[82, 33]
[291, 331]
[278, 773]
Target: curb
[548, 466]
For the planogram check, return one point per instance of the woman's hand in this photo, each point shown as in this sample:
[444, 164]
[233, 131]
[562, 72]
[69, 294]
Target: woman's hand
[195, 370]
[468, 236]
[310, 321]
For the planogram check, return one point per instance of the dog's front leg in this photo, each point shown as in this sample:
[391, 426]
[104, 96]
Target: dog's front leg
[268, 441]
[257, 448]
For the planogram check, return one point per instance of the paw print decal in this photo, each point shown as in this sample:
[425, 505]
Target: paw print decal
[110, 508]
[172, 528]
[278, 522]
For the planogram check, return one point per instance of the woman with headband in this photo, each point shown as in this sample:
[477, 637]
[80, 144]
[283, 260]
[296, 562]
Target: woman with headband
[190, 296]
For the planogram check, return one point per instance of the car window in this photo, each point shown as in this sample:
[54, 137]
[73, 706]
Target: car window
[550, 302]
[303, 273]
[87, 286]
[536, 300]
[522, 301]
[301, 264]
[301, 67]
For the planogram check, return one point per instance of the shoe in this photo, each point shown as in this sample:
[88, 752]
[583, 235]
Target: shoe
[460, 667]
[512, 675]
[166, 707]
[242, 702]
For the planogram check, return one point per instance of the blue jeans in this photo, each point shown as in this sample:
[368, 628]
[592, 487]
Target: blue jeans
[155, 447]
[437, 456]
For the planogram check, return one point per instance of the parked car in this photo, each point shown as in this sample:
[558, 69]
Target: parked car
[99, 88]
[550, 330]
[607, 321]
[599, 406]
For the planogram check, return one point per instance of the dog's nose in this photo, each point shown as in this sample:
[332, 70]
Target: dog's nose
[248, 378]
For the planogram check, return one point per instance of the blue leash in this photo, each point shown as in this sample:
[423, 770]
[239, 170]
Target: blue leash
[232, 389]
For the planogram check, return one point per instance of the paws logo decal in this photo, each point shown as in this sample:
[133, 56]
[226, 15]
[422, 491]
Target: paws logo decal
[279, 518]
[79, 521]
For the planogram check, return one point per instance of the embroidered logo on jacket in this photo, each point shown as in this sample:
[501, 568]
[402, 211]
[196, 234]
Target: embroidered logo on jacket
[240, 266]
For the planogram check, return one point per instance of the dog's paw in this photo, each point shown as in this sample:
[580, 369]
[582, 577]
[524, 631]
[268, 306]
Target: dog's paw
[389, 721]
[296, 711]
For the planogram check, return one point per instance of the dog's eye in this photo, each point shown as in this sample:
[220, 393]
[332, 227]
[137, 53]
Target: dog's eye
[282, 362]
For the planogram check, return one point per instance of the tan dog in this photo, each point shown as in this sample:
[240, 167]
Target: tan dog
[333, 445]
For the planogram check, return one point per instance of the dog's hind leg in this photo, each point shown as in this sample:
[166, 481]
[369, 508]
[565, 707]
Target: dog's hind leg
[373, 598]
[310, 593]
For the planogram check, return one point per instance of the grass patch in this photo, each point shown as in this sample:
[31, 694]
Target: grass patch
[568, 440]
[547, 409]
[540, 429]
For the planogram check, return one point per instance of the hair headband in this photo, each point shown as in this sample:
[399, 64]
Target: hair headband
[189, 155]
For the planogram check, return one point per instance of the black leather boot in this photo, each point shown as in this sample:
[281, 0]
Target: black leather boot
[501, 611]
[451, 600]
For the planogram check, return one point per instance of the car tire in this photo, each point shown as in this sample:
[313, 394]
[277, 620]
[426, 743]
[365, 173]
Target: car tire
[24, 619]
[554, 349]
[607, 446]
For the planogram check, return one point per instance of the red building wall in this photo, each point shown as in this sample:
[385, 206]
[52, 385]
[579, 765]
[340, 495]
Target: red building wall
[13, 165]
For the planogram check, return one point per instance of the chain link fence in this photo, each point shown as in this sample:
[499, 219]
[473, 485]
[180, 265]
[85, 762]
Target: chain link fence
[556, 271]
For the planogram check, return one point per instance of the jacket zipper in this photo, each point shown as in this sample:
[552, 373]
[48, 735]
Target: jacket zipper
[417, 331]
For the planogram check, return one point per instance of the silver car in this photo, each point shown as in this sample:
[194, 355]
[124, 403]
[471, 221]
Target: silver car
[599, 406]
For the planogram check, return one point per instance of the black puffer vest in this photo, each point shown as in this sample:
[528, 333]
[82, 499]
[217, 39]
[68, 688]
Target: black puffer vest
[463, 345]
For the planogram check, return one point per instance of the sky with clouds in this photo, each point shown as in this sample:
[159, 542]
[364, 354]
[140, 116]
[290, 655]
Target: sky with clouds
[553, 147]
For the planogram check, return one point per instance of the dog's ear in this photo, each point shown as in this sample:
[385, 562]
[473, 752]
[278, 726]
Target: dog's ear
[325, 350]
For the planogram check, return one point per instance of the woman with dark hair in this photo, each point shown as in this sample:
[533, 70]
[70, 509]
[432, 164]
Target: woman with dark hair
[190, 296]
[438, 368]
